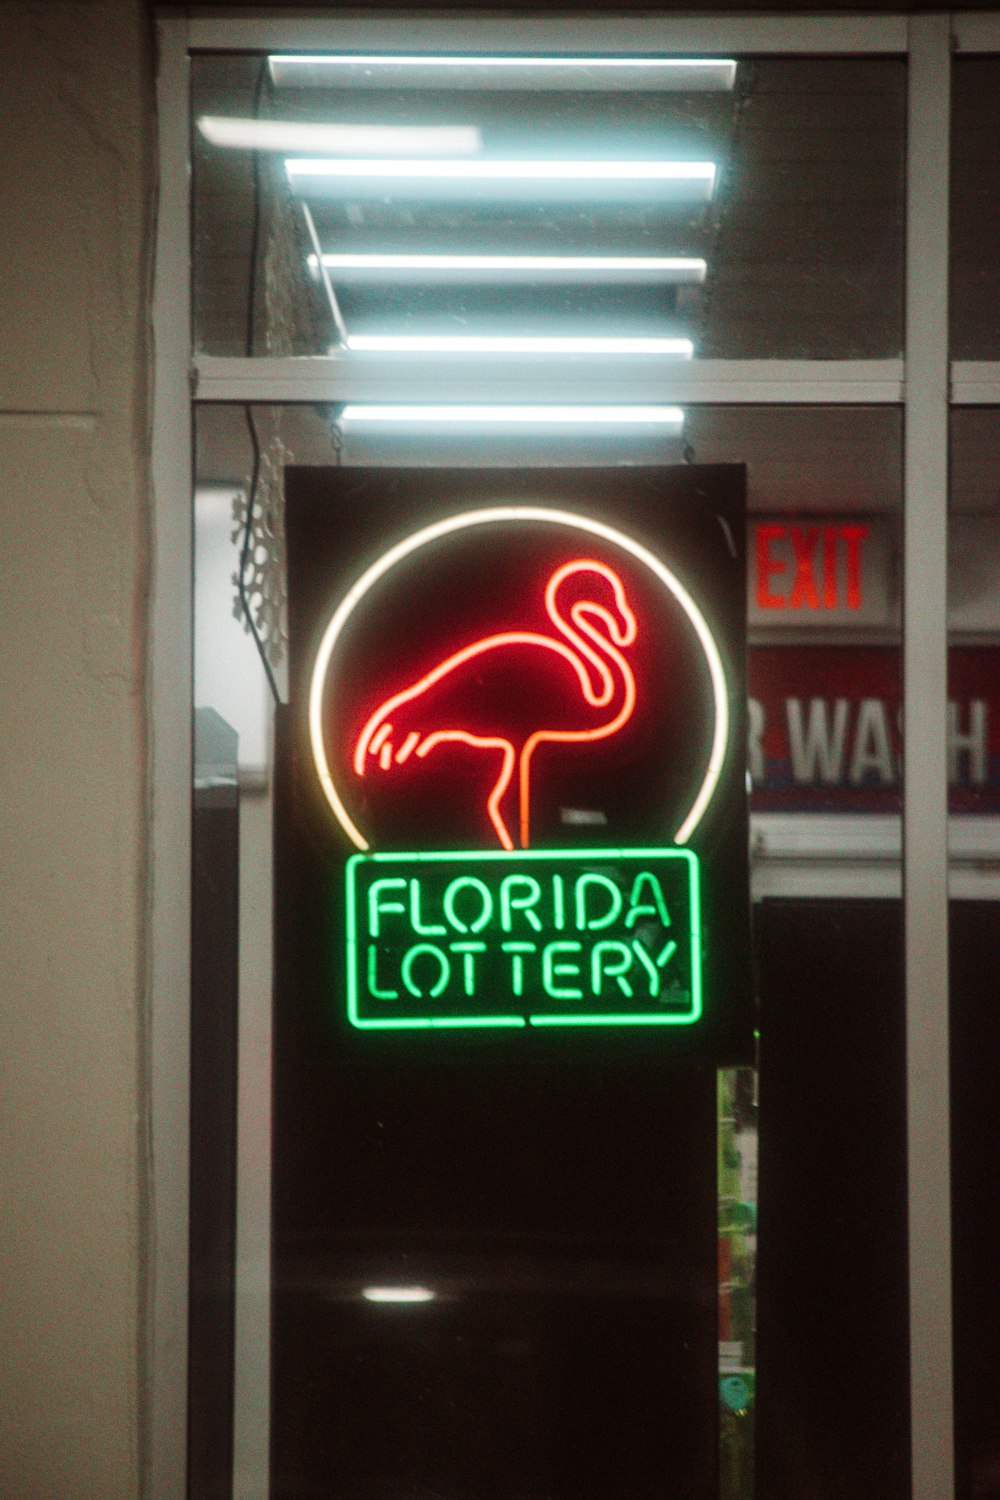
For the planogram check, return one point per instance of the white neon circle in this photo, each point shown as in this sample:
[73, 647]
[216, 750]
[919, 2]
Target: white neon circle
[491, 516]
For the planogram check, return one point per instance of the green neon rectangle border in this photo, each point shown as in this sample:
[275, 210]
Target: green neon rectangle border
[439, 856]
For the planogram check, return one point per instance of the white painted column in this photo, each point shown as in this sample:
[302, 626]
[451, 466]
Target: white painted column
[925, 807]
[170, 669]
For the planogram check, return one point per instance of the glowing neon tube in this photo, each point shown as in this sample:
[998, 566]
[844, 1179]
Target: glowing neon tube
[491, 180]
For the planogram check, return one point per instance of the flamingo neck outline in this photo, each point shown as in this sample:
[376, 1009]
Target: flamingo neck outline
[590, 641]
[524, 516]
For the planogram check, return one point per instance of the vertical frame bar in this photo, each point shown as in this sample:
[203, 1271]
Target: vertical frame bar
[925, 783]
[170, 671]
[252, 1353]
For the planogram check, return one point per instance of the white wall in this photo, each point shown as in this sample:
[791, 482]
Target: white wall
[76, 128]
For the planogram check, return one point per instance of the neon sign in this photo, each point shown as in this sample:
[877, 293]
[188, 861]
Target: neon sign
[590, 640]
[516, 794]
[606, 937]
[591, 645]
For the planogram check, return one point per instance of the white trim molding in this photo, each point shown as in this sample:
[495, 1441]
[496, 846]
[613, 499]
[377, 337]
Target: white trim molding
[170, 699]
[641, 380]
[418, 31]
[925, 768]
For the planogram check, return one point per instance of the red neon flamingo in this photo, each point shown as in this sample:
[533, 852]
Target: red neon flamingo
[416, 720]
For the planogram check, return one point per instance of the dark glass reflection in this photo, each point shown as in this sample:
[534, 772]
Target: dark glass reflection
[569, 1346]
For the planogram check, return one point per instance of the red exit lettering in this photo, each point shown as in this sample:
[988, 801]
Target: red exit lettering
[798, 566]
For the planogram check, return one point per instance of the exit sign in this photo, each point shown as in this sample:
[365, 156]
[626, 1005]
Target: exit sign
[821, 571]
[601, 937]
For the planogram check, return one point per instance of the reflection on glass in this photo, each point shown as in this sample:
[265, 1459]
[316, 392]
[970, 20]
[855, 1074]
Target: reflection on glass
[974, 805]
[975, 208]
[737, 1167]
[398, 1294]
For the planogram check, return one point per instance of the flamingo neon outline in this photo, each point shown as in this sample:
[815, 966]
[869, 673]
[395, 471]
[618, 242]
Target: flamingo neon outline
[499, 515]
[375, 737]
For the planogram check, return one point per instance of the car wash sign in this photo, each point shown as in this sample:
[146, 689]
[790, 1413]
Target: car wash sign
[525, 726]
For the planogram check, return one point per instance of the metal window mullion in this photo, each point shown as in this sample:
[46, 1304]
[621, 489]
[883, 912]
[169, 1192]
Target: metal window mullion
[365, 377]
[925, 808]
[976, 32]
[975, 383]
[169, 701]
[400, 31]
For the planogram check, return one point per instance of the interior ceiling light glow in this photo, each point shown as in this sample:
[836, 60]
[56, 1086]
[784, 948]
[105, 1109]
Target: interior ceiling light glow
[489, 180]
[562, 269]
[379, 140]
[406, 343]
[397, 1294]
[687, 74]
[670, 417]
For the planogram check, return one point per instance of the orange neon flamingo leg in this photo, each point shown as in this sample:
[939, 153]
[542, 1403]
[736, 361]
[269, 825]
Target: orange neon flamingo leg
[571, 737]
[481, 742]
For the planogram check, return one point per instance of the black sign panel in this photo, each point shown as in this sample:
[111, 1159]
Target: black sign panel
[546, 670]
[510, 948]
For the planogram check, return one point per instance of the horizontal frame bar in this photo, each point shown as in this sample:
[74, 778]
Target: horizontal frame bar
[468, 379]
[975, 383]
[972, 32]
[413, 31]
[851, 854]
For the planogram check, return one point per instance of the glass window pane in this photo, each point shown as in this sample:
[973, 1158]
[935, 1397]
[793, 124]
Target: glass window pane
[789, 247]
[808, 255]
[833, 1382]
[974, 852]
[974, 631]
[975, 208]
[824, 487]
[811, 469]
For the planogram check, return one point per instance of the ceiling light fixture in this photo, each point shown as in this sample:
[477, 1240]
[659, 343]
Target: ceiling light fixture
[406, 343]
[352, 140]
[670, 418]
[670, 74]
[491, 180]
[563, 270]
[398, 1294]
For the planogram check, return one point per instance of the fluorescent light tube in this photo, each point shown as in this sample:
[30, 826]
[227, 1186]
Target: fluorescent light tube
[671, 74]
[353, 140]
[397, 1294]
[589, 270]
[433, 343]
[489, 181]
[669, 417]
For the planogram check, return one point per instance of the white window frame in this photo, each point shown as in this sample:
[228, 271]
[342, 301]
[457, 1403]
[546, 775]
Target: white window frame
[922, 385]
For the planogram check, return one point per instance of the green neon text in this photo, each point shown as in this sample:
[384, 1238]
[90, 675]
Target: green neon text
[546, 938]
